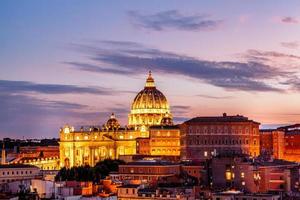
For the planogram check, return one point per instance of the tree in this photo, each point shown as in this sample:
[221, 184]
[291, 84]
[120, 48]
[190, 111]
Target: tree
[87, 173]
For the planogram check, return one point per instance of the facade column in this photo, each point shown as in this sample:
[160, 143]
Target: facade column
[90, 156]
[71, 154]
[74, 155]
[61, 155]
[80, 156]
[93, 156]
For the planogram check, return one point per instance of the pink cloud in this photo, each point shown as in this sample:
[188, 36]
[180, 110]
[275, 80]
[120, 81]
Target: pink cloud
[289, 20]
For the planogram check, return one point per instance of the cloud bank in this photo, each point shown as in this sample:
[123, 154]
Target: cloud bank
[252, 75]
[289, 20]
[26, 86]
[173, 20]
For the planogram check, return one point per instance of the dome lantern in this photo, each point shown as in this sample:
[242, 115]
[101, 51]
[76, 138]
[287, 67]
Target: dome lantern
[150, 81]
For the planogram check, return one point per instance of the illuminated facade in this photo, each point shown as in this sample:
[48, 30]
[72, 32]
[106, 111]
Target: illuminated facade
[88, 145]
[281, 143]
[162, 141]
[205, 137]
[272, 143]
[44, 157]
[49, 163]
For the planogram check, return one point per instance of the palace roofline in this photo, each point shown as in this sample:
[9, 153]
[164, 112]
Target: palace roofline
[224, 118]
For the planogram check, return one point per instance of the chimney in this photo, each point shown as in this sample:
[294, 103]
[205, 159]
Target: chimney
[224, 114]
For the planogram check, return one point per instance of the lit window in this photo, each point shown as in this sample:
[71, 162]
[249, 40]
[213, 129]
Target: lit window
[205, 153]
[121, 137]
[243, 183]
[86, 137]
[77, 138]
[228, 175]
[67, 130]
[242, 175]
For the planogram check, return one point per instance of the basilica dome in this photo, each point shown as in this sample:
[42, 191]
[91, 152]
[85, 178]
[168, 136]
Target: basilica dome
[149, 106]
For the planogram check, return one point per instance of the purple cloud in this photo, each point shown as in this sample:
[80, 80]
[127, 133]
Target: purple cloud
[231, 75]
[291, 45]
[289, 20]
[173, 20]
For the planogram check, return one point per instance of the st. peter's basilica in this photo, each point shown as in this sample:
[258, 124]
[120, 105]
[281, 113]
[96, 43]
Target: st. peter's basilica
[150, 132]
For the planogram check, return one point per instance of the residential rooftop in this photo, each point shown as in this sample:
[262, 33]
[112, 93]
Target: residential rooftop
[129, 186]
[151, 163]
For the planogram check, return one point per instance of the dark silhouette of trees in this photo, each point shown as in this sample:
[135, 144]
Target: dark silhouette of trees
[87, 173]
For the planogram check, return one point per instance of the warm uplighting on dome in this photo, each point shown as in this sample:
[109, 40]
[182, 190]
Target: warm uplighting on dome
[149, 106]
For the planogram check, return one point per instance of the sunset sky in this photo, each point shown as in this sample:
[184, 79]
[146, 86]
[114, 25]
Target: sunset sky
[76, 62]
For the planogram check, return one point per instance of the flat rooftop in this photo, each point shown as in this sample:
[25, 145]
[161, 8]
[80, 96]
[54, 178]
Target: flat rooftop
[151, 162]
[129, 186]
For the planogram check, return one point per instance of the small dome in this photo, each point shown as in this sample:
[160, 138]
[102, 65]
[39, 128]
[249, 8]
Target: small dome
[167, 120]
[112, 122]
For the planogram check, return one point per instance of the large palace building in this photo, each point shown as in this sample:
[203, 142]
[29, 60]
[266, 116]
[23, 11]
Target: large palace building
[206, 137]
[150, 131]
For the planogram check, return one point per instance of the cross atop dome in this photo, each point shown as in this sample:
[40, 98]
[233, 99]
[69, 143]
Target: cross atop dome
[150, 80]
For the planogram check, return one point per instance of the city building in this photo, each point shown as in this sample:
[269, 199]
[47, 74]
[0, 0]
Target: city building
[272, 143]
[205, 137]
[15, 172]
[145, 171]
[44, 157]
[48, 163]
[291, 142]
[254, 175]
[282, 143]
[237, 195]
[138, 192]
[88, 145]
[195, 170]
[163, 141]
